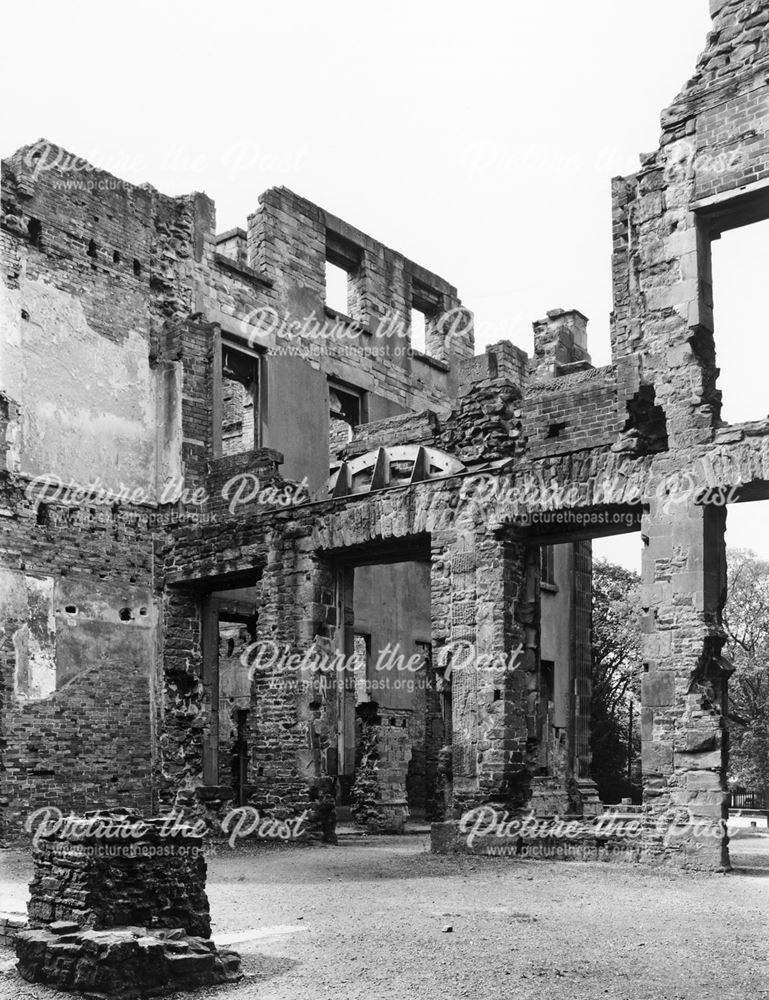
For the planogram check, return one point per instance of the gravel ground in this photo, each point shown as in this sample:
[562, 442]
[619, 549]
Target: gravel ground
[367, 920]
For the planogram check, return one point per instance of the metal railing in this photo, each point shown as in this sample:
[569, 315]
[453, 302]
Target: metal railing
[746, 800]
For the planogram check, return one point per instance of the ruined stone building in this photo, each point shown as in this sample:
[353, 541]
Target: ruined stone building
[216, 486]
[193, 381]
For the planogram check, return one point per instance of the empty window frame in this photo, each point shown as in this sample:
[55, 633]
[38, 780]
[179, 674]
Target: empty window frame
[236, 405]
[547, 565]
[418, 330]
[337, 288]
[345, 403]
[739, 265]
[425, 309]
[344, 276]
[346, 410]
[733, 251]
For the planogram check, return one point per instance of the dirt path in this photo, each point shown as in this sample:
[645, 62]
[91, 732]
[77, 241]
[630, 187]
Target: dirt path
[366, 920]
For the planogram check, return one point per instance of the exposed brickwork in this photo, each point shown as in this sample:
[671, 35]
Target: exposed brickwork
[120, 909]
[101, 881]
[539, 452]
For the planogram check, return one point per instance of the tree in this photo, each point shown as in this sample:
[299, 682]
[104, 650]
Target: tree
[746, 623]
[616, 666]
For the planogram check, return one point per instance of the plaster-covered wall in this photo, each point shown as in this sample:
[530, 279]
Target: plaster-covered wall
[392, 606]
[86, 404]
[77, 721]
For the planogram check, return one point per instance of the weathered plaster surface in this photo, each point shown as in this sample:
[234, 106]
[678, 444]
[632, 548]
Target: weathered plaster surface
[87, 404]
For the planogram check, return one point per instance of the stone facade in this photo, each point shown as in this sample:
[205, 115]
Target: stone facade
[116, 688]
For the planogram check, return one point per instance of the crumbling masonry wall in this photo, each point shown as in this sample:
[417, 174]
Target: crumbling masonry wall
[709, 173]
[507, 455]
[116, 300]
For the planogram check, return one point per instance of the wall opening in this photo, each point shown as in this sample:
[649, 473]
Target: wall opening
[740, 263]
[392, 711]
[425, 310]
[617, 721]
[746, 625]
[583, 687]
[558, 690]
[35, 231]
[734, 272]
[345, 284]
[228, 628]
[240, 425]
[347, 410]
[337, 288]
[418, 330]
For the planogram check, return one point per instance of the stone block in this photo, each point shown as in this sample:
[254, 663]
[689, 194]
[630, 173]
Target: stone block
[658, 688]
[711, 760]
[705, 781]
[657, 757]
[63, 927]
[698, 741]
[444, 837]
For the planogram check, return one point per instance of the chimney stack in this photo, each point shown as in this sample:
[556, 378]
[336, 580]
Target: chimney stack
[559, 339]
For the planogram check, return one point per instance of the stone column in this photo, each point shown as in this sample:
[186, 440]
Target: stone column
[293, 703]
[684, 684]
[345, 679]
[489, 664]
[457, 656]
[582, 622]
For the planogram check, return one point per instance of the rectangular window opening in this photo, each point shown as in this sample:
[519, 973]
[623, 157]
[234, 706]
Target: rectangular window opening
[346, 411]
[344, 276]
[240, 424]
[740, 262]
[547, 565]
[337, 288]
[418, 331]
[425, 308]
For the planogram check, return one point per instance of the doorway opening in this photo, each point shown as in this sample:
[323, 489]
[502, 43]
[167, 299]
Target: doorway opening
[229, 627]
[746, 625]
[392, 709]
[588, 678]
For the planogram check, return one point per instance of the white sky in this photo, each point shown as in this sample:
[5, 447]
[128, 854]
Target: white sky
[477, 138]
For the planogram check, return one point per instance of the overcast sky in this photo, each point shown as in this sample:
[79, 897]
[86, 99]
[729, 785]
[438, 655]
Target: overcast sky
[477, 138]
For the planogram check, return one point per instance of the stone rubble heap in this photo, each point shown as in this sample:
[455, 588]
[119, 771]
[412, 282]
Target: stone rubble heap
[122, 963]
[121, 916]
